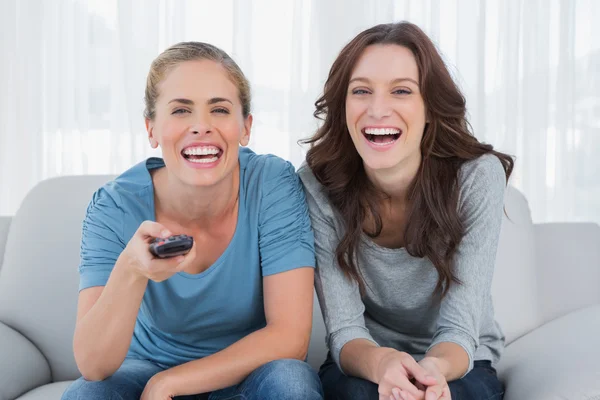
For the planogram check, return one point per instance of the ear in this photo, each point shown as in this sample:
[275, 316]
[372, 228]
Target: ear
[245, 138]
[150, 130]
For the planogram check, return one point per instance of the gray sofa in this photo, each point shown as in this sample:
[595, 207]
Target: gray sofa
[546, 293]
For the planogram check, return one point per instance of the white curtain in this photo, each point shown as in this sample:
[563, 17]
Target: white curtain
[72, 79]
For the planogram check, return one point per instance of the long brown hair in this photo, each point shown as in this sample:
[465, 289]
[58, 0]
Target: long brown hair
[434, 229]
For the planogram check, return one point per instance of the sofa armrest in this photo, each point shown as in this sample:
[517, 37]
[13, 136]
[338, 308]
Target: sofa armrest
[22, 366]
[557, 361]
[4, 225]
[567, 267]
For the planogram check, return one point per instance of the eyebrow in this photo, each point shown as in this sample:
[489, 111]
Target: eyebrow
[398, 80]
[189, 102]
[215, 100]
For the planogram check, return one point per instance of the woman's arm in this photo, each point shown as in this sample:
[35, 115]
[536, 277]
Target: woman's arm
[288, 298]
[105, 321]
[104, 329]
[457, 335]
[351, 345]
[339, 296]
[107, 314]
[362, 358]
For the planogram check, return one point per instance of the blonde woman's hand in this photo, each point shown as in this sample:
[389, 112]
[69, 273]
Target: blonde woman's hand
[137, 259]
[157, 389]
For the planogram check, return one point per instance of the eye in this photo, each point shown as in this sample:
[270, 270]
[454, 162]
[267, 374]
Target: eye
[360, 91]
[180, 111]
[401, 91]
[221, 110]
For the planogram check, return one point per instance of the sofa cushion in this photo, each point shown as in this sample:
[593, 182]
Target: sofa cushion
[514, 286]
[52, 391]
[39, 279]
[558, 360]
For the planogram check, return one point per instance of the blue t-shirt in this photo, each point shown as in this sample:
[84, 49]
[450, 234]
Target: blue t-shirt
[190, 316]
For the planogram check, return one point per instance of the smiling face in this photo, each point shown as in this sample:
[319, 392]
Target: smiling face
[199, 123]
[385, 112]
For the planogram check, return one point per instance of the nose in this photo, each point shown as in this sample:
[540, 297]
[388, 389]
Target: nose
[201, 129]
[201, 126]
[379, 107]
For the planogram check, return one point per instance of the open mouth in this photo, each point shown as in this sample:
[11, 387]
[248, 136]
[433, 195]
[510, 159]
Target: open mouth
[382, 136]
[202, 154]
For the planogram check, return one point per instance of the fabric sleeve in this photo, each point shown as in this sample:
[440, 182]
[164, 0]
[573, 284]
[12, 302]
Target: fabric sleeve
[480, 207]
[286, 239]
[101, 240]
[339, 296]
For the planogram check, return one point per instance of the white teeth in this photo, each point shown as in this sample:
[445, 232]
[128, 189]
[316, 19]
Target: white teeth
[203, 160]
[382, 144]
[382, 131]
[201, 151]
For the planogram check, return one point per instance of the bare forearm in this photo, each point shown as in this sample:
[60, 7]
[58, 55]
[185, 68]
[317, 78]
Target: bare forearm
[103, 335]
[361, 358]
[451, 359]
[233, 364]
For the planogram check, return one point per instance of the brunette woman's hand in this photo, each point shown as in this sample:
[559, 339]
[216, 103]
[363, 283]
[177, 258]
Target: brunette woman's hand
[399, 370]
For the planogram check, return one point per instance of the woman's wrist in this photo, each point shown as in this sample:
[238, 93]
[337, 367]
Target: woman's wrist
[439, 363]
[164, 382]
[450, 358]
[381, 355]
[125, 269]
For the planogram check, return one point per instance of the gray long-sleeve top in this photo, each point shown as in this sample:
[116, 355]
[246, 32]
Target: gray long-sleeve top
[398, 309]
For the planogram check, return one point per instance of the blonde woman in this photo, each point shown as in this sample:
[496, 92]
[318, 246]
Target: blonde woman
[231, 319]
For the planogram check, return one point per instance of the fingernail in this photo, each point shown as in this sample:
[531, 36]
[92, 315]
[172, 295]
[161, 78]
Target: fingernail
[165, 233]
[180, 259]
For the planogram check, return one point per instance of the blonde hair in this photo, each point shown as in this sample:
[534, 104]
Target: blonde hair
[192, 51]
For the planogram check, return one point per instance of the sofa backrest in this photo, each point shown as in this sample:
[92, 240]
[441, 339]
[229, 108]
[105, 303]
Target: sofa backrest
[515, 285]
[568, 267]
[317, 348]
[39, 279]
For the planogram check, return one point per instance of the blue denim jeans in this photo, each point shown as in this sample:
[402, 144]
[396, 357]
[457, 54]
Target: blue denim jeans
[280, 379]
[479, 384]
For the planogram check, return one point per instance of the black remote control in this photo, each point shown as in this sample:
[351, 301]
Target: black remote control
[172, 246]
